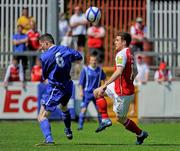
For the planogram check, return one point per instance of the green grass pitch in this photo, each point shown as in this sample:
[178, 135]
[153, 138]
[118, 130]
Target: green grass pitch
[23, 135]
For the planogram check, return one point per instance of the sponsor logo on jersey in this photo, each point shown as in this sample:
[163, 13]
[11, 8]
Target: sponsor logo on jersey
[119, 60]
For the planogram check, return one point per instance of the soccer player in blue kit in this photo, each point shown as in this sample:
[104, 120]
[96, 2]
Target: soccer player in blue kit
[90, 78]
[56, 65]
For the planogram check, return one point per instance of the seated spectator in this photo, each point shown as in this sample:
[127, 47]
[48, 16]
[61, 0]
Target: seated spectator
[137, 32]
[96, 34]
[14, 73]
[163, 74]
[24, 20]
[143, 71]
[36, 72]
[20, 45]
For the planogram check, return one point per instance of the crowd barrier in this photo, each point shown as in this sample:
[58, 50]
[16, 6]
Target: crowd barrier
[24, 103]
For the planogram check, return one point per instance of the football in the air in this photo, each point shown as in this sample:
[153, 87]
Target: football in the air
[93, 14]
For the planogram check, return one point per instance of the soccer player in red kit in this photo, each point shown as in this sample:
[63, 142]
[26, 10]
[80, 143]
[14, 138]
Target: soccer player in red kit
[120, 88]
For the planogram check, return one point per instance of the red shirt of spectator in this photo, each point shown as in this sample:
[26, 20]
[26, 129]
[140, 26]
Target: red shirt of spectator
[33, 41]
[36, 72]
[95, 37]
[14, 73]
[138, 31]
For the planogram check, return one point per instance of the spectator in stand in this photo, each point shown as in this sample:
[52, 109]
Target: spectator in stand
[138, 34]
[63, 26]
[20, 45]
[36, 72]
[33, 36]
[96, 34]
[14, 73]
[143, 71]
[24, 20]
[33, 42]
[78, 27]
[78, 24]
[163, 74]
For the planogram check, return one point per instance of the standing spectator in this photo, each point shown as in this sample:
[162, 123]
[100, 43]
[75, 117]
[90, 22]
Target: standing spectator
[33, 42]
[14, 73]
[89, 80]
[138, 34]
[143, 71]
[24, 20]
[163, 74]
[78, 25]
[96, 34]
[33, 36]
[36, 72]
[20, 45]
[63, 26]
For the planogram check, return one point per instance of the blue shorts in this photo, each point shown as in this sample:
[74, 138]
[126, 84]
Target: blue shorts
[56, 95]
[85, 102]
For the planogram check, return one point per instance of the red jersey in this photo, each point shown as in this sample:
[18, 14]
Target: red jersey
[14, 73]
[124, 84]
[138, 32]
[36, 73]
[33, 42]
[94, 42]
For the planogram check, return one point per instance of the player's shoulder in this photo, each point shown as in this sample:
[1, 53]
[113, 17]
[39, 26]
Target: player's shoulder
[122, 53]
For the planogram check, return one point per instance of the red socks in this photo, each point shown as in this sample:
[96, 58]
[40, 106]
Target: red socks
[131, 126]
[102, 107]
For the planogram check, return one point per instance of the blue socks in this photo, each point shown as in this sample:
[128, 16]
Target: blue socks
[66, 118]
[81, 119]
[46, 130]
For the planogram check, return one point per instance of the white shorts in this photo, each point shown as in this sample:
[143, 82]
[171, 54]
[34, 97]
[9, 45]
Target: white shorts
[120, 103]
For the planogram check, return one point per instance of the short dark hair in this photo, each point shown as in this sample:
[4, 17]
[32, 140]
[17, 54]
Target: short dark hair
[125, 36]
[93, 55]
[47, 37]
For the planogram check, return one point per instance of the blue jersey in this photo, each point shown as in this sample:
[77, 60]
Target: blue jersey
[90, 79]
[56, 64]
[20, 47]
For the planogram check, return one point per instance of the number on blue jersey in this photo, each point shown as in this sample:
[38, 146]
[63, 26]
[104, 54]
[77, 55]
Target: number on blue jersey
[59, 60]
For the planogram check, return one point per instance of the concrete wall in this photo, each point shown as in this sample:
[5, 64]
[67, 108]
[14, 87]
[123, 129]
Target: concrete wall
[159, 100]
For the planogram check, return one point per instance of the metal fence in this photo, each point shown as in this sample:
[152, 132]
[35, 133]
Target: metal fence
[10, 11]
[163, 20]
[117, 15]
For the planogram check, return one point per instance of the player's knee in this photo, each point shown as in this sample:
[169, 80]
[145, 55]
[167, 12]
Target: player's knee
[95, 92]
[63, 108]
[83, 110]
[40, 118]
